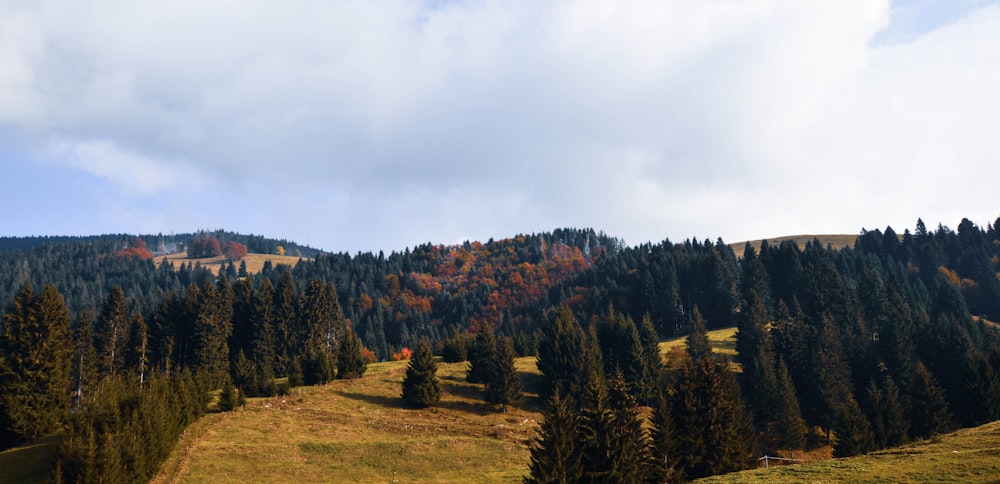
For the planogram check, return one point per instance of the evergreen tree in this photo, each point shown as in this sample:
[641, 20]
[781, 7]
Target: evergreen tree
[35, 364]
[504, 386]
[350, 362]
[630, 449]
[137, 347]
[483, 358]
[295, 375]
[929, 412]
[789, 426]
[650, 385]
[420, 386]
[285, 320]
[697, 343]
[110, 332]
[854, 433]
[556, 455]
[561, 351]
[84, 359]
[664, 444]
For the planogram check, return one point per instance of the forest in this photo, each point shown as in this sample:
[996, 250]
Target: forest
[892, 339]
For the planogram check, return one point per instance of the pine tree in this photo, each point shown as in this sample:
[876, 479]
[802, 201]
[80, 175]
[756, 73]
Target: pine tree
[35, 364]
[420, 386]
[561, 351]
[664, 444]
[697, 343]
[854, 433]
[110, 332]
[137, 347]
[929, 412]
[649, 388]
[789, 427]
[630, 450]
[504, 386]
[350, 362]
[555, 455]
[84, 359]
[482, 358]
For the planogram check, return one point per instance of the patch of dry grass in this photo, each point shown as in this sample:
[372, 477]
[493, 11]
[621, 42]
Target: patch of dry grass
[359, 431]
[837, 241]
[255, 262]
[966, 456]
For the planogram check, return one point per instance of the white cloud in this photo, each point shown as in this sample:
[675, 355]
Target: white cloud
[131, 172]
[645, 119]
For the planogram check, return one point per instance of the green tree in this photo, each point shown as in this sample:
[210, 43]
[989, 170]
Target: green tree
[929, 412]
[110, 332]
[555, 454]
[789, 426]
[35, 363]
[561, 351]
[504, 386]
[350, 362]
[663, 436]
[420, 385]
[483, 358]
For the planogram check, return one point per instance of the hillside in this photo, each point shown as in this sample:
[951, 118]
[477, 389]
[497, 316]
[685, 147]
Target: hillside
[965, 456]
[359, 431]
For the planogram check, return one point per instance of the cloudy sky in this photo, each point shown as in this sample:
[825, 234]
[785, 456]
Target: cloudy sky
[381, 125]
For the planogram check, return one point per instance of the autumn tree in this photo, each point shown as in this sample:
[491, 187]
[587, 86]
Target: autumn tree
[202, 246]
[234, 250]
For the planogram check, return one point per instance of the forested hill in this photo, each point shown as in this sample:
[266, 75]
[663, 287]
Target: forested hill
[161, 244]
[893, 318]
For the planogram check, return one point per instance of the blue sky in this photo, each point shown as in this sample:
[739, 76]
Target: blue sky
[380, 125]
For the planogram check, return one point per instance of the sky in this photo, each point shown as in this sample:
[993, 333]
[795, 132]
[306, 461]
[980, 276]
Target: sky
[366, 126]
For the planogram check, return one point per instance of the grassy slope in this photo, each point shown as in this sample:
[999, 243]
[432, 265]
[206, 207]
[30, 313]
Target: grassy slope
[358, 431]
[255, 262]
[838, 241]
[966, 456]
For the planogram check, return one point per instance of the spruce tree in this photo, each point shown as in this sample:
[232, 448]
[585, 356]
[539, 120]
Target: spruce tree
[35, 364]
[420, 386]
[630, 450]
[504, 386]
[561, 349]
[663, 436]
[854, 433]
[789, 426]
[110, 332]
[84, 359]
[929, 412]
[483, 358]
[556, 455]
[350, 362]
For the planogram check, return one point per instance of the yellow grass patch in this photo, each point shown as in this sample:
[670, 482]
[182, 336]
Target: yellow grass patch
[255, 262]
[359, 431]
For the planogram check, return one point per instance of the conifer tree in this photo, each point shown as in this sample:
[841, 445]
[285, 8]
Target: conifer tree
[350, 362]
[630, 451]
[483, 358]
[35, 364]
[556, 455]
[697, 344]
[789, 426]
[929, 412]
[110, 332]
[420, 386]
[84, 359]
[663, 436]
[649, 388]
[561, 349]
[854, 433]
[504, 386]
[137, 347]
